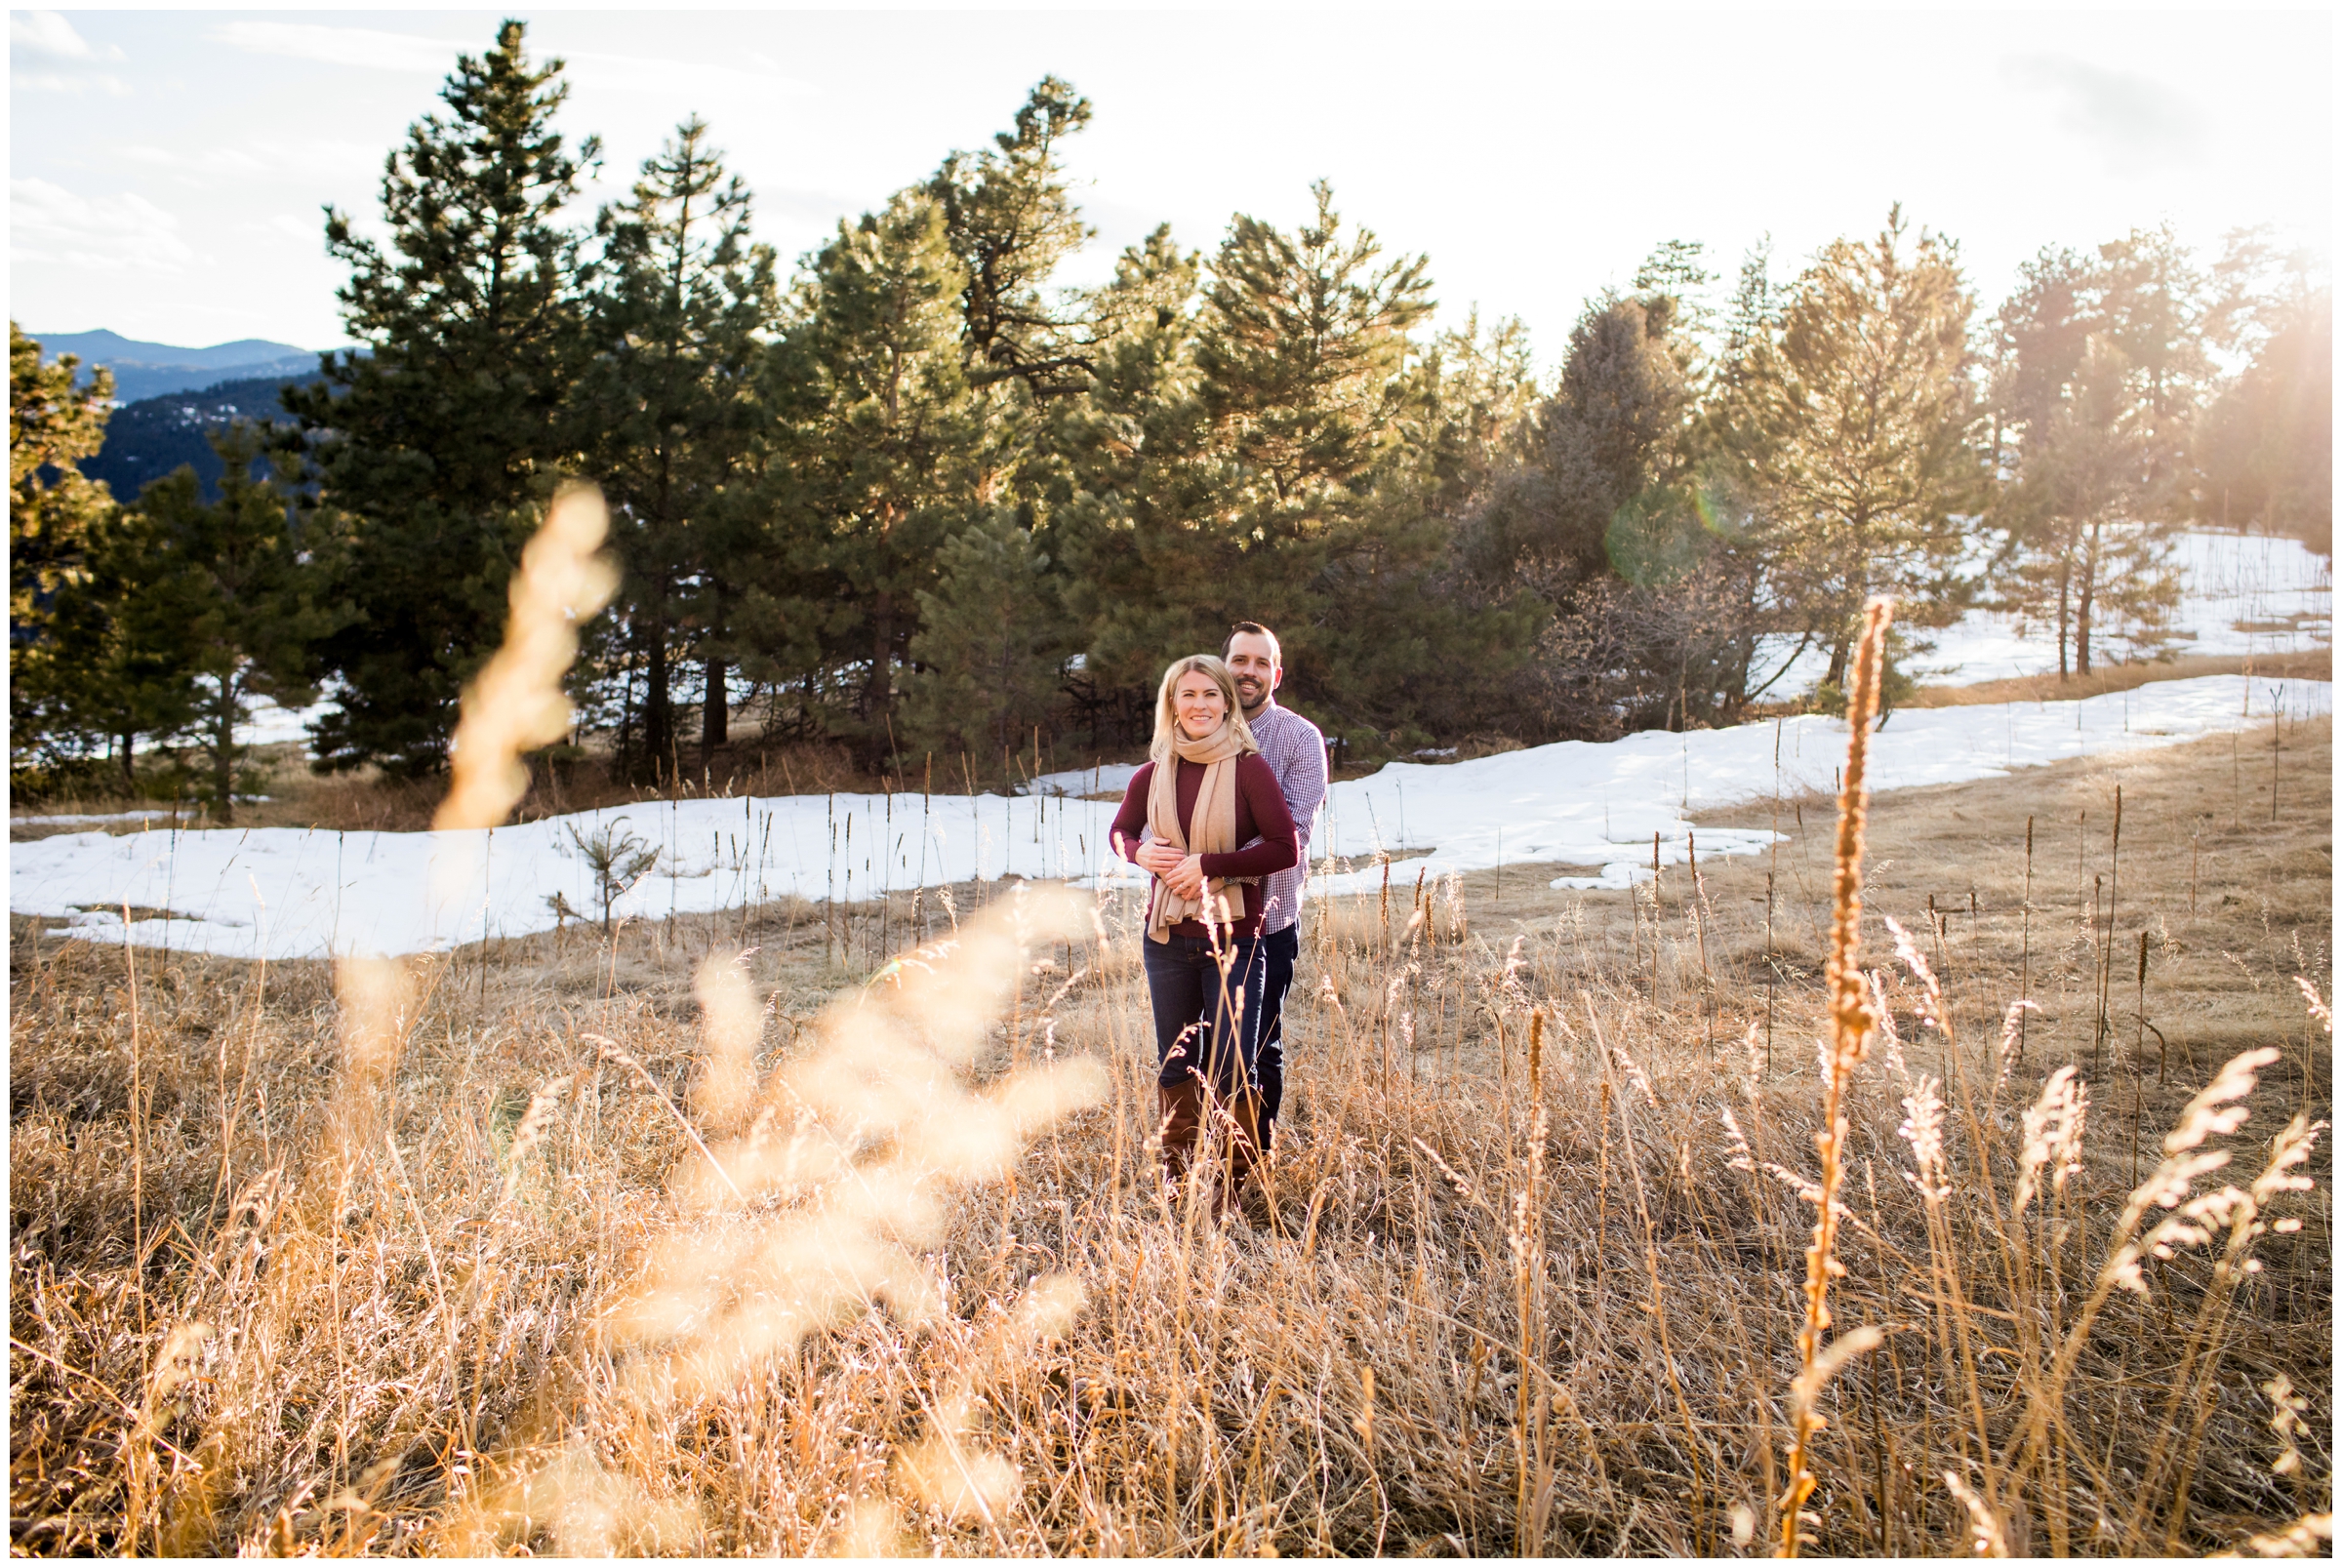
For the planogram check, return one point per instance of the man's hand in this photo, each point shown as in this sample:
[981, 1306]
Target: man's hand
[1159, 856]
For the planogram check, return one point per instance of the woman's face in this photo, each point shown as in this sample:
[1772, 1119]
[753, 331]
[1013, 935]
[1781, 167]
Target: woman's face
[1197, 701]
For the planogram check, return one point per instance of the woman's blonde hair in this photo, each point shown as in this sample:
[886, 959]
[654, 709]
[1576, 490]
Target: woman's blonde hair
[1167, 715]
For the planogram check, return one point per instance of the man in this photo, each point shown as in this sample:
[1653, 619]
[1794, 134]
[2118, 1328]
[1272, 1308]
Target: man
[1295, 750]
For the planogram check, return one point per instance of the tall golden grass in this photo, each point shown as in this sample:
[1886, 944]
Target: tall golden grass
[777, 1259]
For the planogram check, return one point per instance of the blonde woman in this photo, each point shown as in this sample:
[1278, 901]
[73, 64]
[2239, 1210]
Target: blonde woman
[1206, 791]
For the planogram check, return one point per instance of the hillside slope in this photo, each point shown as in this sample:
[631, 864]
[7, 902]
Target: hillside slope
[155, 435]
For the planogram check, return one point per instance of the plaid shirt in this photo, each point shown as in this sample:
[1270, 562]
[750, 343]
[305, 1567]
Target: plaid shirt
[1295, 750]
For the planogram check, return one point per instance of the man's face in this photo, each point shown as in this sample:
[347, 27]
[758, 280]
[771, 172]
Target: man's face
[1253, 661]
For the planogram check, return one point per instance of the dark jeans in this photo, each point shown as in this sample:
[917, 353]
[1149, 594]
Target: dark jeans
[1194, 1031]
[1279, 951]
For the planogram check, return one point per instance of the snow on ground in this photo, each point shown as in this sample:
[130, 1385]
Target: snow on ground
[285, 892]
[1104, 778]
[2243, 596]
[271, 725]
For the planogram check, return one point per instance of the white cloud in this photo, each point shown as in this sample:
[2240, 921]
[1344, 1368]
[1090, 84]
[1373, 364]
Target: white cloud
[678, 79]
[342, 46]
[47, 35]
[124, 233]
[2138, 125]
[44, 54]
[262, 159]
[413, 52]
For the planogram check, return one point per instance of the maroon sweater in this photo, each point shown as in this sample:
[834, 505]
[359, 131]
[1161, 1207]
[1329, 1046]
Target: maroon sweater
[1261, 812]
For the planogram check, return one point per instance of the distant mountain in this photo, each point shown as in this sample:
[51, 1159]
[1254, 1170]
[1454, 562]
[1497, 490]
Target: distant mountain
[143, 370]
[153, 437]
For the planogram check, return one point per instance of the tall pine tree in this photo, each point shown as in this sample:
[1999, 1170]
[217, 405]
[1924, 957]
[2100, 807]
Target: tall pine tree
[1269, 462]
[436, 443]
[1858, 436]
[1010, 219]
[882, 451]
[670, 417]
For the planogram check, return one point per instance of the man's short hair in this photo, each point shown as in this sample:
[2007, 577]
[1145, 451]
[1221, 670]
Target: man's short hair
[1253, 629]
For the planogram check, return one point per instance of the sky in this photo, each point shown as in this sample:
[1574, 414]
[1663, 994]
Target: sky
[167, 168]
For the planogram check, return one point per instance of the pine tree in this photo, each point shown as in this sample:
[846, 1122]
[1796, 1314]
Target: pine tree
[1264, 463]
[2266, 445]
[54, 511]
[2086, 480]
[112, 681]
[2152, 302]
[883, 450]
[1010, 219]
[1119, 466]
[1611, 429]
[671, 417]
[1858, 418]
[2096, 462]
[217, 597]
[989, 650]
[435, 448]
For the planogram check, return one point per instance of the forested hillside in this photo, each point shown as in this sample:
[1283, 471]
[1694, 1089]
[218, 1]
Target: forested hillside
[154, 436]
[913, 497]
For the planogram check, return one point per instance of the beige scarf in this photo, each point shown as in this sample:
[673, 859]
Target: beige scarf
[1215, 828]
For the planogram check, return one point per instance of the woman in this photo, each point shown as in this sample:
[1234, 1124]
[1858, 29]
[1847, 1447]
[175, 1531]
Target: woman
[1206, 791]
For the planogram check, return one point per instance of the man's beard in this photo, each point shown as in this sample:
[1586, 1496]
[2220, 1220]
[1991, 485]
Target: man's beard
[1251, 695]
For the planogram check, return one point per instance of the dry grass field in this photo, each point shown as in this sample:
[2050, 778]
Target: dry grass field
[798, 1231]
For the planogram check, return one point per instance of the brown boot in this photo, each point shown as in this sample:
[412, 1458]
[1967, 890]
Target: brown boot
[1182, 1127]
[1243, 1114]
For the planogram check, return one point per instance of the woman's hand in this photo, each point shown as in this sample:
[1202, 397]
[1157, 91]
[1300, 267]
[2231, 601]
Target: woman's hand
[1157, 857]
[1186, 878]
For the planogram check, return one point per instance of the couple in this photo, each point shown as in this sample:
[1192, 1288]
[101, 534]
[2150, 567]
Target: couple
[1221, 817]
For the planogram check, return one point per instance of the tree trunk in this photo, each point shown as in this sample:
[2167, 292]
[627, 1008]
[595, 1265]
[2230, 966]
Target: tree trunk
[223, 753]
[715, 713]
[622, 765]
[2089, 595]
[2065, 609]
[658, 703]
[878, 691]
[130, 777]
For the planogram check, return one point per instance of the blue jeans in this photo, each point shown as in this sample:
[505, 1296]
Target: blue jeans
[1205, 1025]
[1279, 951]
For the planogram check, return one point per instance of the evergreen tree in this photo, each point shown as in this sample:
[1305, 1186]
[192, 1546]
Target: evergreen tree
[1010, 219]
[435, 447]
[2266, 446]
[1118, 463]
[883, 452]
[1750, 320]
[2152, 303]
[1858, 417]
[2088, 466]
[217, 598]
[1612, 428]
[1615, 519]
[1265, 463]
[989, 650]
[2095, 463]
[113, 680]
[1674, 279]
[670, 415]
[53, 511]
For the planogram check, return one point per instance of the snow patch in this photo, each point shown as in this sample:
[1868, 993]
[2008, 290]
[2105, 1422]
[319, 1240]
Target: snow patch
[293, 892]
[2242, 595]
